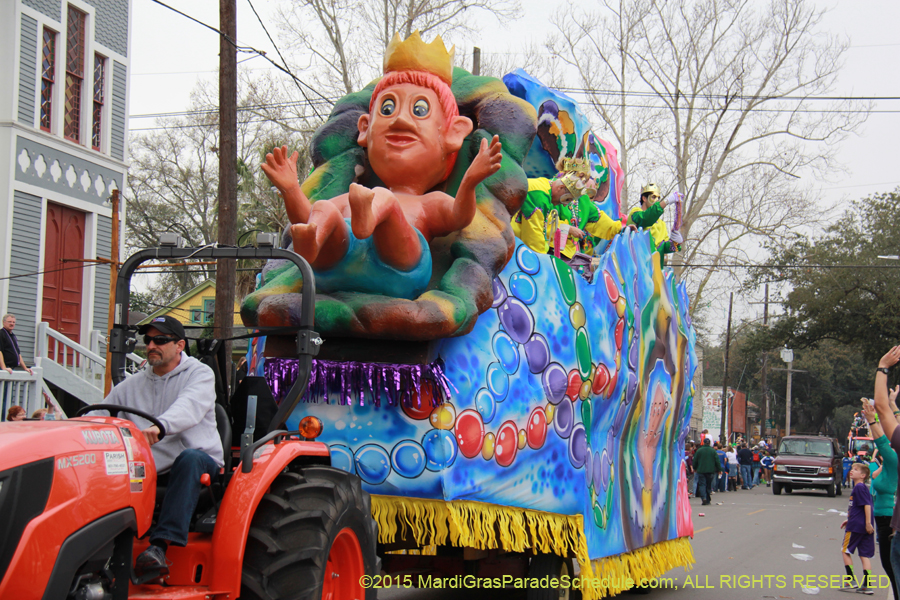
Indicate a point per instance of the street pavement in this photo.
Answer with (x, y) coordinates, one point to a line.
(753, 534)
(743, 549)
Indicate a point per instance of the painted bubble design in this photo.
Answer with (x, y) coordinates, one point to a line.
(527, 260)
(516, 319)
(577, 446)
(555, 381)
(440, 449)
(408, 459)
(537, 353)
(497, 382)
(522, 287)
(499, 291)
(506, 351)
(373, 464)
(564, 419)
(485, 405)
(342, 458)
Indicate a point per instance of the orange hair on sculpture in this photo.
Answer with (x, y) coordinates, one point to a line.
(426, 80)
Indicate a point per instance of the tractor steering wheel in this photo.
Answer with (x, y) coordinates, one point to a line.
(116, 408)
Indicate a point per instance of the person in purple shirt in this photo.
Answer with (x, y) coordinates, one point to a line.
(887, 417)
(859, 530)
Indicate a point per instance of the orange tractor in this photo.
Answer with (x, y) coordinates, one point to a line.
(77, 497)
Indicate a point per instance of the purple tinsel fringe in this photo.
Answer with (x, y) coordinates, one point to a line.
(347, 382)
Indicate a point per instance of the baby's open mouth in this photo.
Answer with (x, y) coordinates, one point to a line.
(400, 139)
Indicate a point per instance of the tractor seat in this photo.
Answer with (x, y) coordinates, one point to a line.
(217, 487)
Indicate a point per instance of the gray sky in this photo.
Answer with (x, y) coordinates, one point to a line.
(169, 54)
(166, 68)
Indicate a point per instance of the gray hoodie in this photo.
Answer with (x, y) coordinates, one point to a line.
(183, 400)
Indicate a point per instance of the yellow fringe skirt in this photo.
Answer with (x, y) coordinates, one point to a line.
(463, 523)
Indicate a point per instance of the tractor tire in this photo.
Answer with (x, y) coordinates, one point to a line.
(312, 538)
(776, 488)
(552, 566)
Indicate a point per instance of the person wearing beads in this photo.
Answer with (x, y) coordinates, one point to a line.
(647, 216)
(888, 415)
(884, 485)
(558, 216)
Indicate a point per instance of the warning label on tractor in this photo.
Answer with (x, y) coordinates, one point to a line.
(138, 471)
(116, 463)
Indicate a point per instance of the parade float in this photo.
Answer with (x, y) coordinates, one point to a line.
(496, 404)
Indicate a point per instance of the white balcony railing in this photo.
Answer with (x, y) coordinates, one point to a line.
(21, 389)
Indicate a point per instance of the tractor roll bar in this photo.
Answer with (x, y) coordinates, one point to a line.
(308, 341)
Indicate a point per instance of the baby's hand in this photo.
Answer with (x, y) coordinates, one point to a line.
(281, 170)
(487, 162)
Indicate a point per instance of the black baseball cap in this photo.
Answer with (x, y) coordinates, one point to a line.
(164, 324)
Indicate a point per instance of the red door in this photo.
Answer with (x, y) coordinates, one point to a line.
(63, 277)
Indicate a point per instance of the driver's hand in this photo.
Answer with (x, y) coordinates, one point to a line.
(151, 434)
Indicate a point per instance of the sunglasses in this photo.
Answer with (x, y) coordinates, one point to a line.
(159, 340)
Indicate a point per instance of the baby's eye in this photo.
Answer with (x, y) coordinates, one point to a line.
(421, 108)
(387, 107)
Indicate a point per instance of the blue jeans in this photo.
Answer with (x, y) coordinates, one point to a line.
(723, 480)
(745, 476)
(706, 484)
(182, 493)
(755, 475)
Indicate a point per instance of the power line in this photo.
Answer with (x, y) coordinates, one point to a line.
(274, 45)
(793, 266)
(248, 49)
(36, 273)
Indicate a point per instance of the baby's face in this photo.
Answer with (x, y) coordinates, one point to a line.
(407, 132)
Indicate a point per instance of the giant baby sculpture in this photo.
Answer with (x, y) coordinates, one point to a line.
(408, 248)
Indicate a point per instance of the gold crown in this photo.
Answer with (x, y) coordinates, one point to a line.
(412, 54)
(579, 166)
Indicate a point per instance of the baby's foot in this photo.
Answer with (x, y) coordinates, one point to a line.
(304, 236)
(362, 221)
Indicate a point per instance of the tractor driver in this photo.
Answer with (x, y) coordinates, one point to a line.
(180, 392)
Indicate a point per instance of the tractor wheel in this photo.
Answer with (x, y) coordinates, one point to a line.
(552, 566)
(312, 538)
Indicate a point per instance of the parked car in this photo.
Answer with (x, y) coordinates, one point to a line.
(808, 461)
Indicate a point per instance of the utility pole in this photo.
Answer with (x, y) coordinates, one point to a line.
(113, 275)
(787, 355)
(476, 61)
(765, 390)
(723, 433)
(227, 224)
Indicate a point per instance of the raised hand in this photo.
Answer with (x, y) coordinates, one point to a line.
(281, 169)
(675, 198)
(890, 358)
(868, 410)
(676, 237)
(892, 397)
(487, 162)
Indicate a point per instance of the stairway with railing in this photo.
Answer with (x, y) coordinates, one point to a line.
(64, 363)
